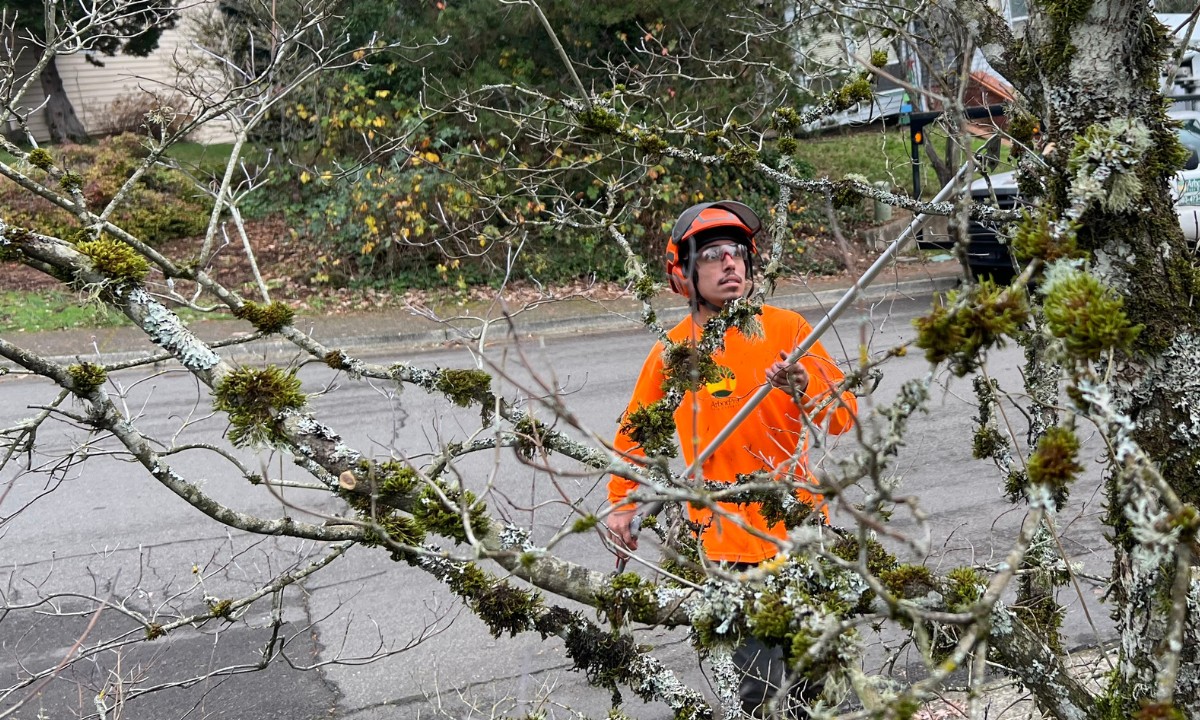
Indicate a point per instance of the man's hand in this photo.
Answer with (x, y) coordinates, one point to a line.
(791, 378)
(618, 523)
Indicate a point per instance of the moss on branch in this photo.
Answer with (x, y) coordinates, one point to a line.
(254, 398)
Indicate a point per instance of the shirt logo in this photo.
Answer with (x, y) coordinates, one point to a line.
(722, 388)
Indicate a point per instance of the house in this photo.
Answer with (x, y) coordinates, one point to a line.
(114, 97)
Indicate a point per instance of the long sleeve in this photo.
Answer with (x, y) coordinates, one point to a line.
(824, 376)
(647, 391)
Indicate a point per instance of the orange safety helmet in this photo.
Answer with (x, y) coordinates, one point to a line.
(703, 218)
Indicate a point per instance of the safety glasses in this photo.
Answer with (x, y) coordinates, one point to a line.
(744, 213)
(716, 253)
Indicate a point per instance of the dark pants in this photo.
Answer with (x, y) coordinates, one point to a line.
(764, 671)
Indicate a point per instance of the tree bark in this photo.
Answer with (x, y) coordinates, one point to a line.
(61, 119)
(1084, 73)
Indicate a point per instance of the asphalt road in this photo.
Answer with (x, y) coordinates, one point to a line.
(105, 529)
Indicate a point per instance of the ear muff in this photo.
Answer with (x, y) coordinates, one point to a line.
(676, 275)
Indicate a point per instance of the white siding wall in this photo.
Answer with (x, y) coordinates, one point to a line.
(93, 90)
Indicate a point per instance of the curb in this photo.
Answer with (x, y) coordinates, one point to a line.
(599, 321)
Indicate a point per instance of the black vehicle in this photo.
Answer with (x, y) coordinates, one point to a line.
(988, 253)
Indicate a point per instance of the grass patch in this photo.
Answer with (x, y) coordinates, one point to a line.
(878, 154)
(45, 310)
(51, 310)
(212, 158)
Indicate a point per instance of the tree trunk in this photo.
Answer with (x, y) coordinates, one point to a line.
(1089, 71)
(61, 119)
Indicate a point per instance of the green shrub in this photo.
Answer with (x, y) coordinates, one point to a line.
(379, 225)
(162, 206)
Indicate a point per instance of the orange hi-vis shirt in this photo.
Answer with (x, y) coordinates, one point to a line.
(766, 441)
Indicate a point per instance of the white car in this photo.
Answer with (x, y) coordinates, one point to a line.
(988, 254)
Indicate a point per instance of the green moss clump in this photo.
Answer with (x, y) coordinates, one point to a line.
(810, 668)
(219, 608)
(435, 516)
(392, 477)
(987, 442)
(154, 631)
(464, 387)
(1016, 486)
(40, 158)
(785, 119)
(269, 318)
(653, 428)
(879, 58)
(627, 597)
(504, 608)
(776, 500)
(71, 181)
(853, 92)
(468, 581)
(606, 658)
(788, 145)
(908, 581)
(879, 560)
(1054, 463)
(253, 398)
(1035, 238)
(554, 620)
(964, 587)
(1187, 520)
(844, 194)
(1088, 316)
(713, 139)
(651, 144)
(115, 259)
(391, 530)
(1064, 15)
(86, 377)
(960, 332)
(686, 369)
(741, 156)
(645, 288)
(530, 433)
(585, 523)
(335, 359)
(599, 120)
(769, 618)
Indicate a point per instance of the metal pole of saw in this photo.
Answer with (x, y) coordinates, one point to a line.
(827, 322)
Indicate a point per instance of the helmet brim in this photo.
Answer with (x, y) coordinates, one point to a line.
(747, 217)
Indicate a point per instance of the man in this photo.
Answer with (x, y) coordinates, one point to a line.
(710, 262)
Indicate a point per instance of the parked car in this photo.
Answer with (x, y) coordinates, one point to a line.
(988, 254)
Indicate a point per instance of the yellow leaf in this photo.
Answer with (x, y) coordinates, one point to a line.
(382, 93)
(305, 177)
(431, 157)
